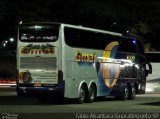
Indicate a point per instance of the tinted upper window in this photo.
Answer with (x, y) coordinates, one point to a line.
(127, 45)
(38, 33)
(140, 47)
(95, 40)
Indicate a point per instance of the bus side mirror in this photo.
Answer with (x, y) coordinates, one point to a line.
(148, 68)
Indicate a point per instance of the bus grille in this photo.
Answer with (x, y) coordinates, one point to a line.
(38, 62)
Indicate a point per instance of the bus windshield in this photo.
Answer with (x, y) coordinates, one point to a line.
(38, 33)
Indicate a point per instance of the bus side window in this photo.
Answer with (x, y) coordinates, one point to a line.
(71, 36)
(141, 51)
(140, 47)
(132, 46)
(126, 45)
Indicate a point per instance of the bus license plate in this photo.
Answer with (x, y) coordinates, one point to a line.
(37, 84)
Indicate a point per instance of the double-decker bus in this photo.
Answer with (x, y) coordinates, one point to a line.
(69, 61)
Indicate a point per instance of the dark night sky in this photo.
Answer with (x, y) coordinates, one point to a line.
(140, 17)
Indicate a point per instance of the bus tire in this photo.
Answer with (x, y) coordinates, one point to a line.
(132, 93)
(125, 94)
(19, 92)
(82, 95)
(42, 99)
(91, 94)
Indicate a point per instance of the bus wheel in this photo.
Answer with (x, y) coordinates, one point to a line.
(82, 95)
(125, 94)
(132, 93)
(42, 99)
(92, 94)
(19, 92)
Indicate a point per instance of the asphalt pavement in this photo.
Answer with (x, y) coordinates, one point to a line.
(13, 106)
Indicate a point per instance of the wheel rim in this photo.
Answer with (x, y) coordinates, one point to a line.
(92, 96)
(126, 92)
(133, 92)
(82, 95)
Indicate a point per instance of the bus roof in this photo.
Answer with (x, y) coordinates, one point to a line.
(91, 29)
(75, 26)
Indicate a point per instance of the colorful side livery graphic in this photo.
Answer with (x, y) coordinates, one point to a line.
(108, 72)
(84, 57)
(38, 49)
(131, 57)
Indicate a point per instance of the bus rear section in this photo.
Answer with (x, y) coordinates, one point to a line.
(38, 71)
